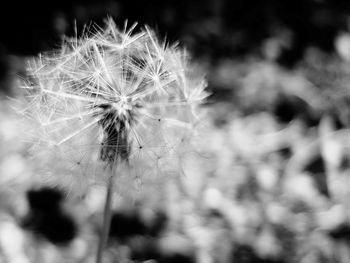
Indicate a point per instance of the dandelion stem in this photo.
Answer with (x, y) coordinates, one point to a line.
(107, 215)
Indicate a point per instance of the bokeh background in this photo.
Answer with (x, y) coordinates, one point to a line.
(271, 182)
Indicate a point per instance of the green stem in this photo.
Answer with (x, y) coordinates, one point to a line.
(107, 215)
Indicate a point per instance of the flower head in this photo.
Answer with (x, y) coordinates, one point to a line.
(111, 96)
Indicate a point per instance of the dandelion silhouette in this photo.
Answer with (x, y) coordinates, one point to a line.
(111, 98)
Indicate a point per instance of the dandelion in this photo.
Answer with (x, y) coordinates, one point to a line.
(109, 100)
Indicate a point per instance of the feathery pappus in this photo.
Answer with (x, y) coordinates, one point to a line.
(111, 96)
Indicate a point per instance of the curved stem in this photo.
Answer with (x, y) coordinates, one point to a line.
(107, 216)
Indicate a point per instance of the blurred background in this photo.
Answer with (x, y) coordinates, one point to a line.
(211, 30)
(272, 180)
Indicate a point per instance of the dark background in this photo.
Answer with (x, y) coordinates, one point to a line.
(210, 28)
(213, 30)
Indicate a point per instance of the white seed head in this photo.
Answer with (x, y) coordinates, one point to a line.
(111, 95)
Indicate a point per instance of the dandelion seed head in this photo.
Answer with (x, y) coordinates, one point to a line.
(112, 95)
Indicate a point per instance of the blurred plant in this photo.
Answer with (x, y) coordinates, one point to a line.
(108, 101)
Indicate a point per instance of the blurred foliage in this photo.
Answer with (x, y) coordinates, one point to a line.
(269, 182)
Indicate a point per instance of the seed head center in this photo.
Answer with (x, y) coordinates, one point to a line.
(123, 106)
